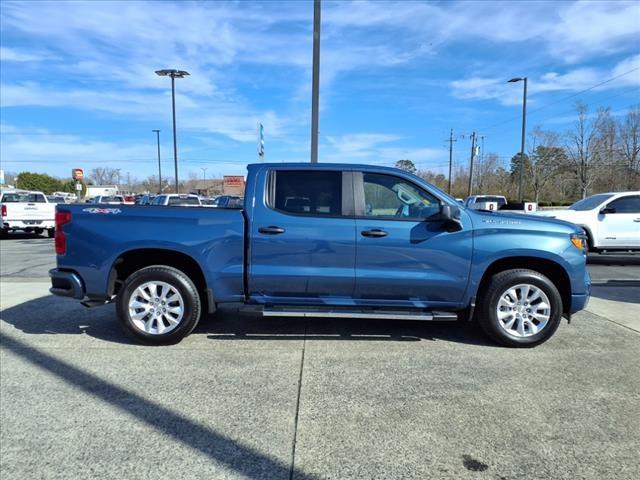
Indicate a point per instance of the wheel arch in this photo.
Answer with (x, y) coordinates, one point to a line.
(133, 260)
(550, 269)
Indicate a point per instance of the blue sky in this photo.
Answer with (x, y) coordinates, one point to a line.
(78, 87)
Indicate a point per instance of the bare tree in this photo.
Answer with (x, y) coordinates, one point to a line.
(546, 160)
(105, 176)
(629, 135)
(584, 146)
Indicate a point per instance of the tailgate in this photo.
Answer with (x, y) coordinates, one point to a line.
(30, 211)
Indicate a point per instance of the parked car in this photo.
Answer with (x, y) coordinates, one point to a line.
(109, 199)
(371, 242)
(177, 200)
(29, 211)
(55, 199)
(610, 220)
(485, 202)
(228, 201)
(145, 199)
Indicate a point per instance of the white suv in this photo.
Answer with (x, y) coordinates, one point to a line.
(611, 220)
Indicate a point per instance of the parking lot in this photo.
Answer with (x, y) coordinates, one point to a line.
(246, 397)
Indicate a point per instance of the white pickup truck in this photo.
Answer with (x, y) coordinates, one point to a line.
(28, 211)
(611, 220)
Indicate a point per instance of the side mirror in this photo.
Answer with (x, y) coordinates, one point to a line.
(449, 213)
(606, 210)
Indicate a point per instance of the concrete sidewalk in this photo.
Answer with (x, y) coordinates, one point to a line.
(617, 304)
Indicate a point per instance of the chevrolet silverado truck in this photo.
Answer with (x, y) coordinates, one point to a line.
(27, 211)
(611, 221)
(328, 240)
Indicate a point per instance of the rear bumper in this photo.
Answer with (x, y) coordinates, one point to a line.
(66, 284)
(28, 224)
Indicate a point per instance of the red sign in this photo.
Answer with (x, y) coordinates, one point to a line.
(233, 185)
(77, 173)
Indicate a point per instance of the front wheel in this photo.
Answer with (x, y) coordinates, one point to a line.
(159, 305)
(520, 308)
(51, 232)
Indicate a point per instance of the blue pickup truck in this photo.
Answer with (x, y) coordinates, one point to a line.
(324, 240)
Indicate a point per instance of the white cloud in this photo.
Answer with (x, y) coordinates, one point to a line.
(14, 55)
(624, 74)
(374, 148)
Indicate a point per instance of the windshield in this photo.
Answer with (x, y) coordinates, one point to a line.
(499, 200)
(111, 199)
(591, 202)
(184, 201)
(23, 198)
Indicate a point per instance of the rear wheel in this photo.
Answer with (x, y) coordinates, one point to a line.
(520, 308)
(51, 232)
(159, 305)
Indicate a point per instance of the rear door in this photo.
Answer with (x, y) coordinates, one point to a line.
(619, 226)
(404, 252)
(302, 237)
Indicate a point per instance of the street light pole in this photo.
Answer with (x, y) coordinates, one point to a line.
(173, 73)
(315, 81)
(522, 140)
(204, 173)
(159, 165)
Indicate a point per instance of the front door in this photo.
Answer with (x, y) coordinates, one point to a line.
(404, 252)
(302, 243)
(619, 222)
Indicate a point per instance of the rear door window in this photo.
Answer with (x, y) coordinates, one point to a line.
(315, 193)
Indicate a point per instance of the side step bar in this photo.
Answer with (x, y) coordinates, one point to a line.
(364, 314)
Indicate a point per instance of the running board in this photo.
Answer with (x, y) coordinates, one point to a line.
(359, 314)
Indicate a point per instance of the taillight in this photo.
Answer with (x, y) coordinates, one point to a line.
(3, 211)
(62, 218)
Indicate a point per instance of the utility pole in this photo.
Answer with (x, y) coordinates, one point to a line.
(451, 140)
(473, 152)
(204, 173)
(129, 182)
(315, 86)
(159, 165)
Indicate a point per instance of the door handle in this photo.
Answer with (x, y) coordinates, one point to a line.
(375, 233)
(271, 230)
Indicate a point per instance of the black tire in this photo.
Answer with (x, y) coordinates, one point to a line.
(499, 283)
(38, 231)
(176, 279)
(4, 233)
(51, 232)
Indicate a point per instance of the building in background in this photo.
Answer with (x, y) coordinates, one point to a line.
(97, 190)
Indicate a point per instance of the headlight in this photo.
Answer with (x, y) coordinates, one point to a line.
(579, 241)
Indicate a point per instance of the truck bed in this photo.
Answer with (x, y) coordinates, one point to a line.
(98, 235)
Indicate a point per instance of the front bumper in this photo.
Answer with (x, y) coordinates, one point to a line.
(579, 301)
(65, 283)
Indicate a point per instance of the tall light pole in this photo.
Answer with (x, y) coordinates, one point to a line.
(173, 73)
(524, 129)
(159, 165)
(315, 81)
(204, 173)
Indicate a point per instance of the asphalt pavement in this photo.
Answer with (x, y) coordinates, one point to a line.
(247, 397)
